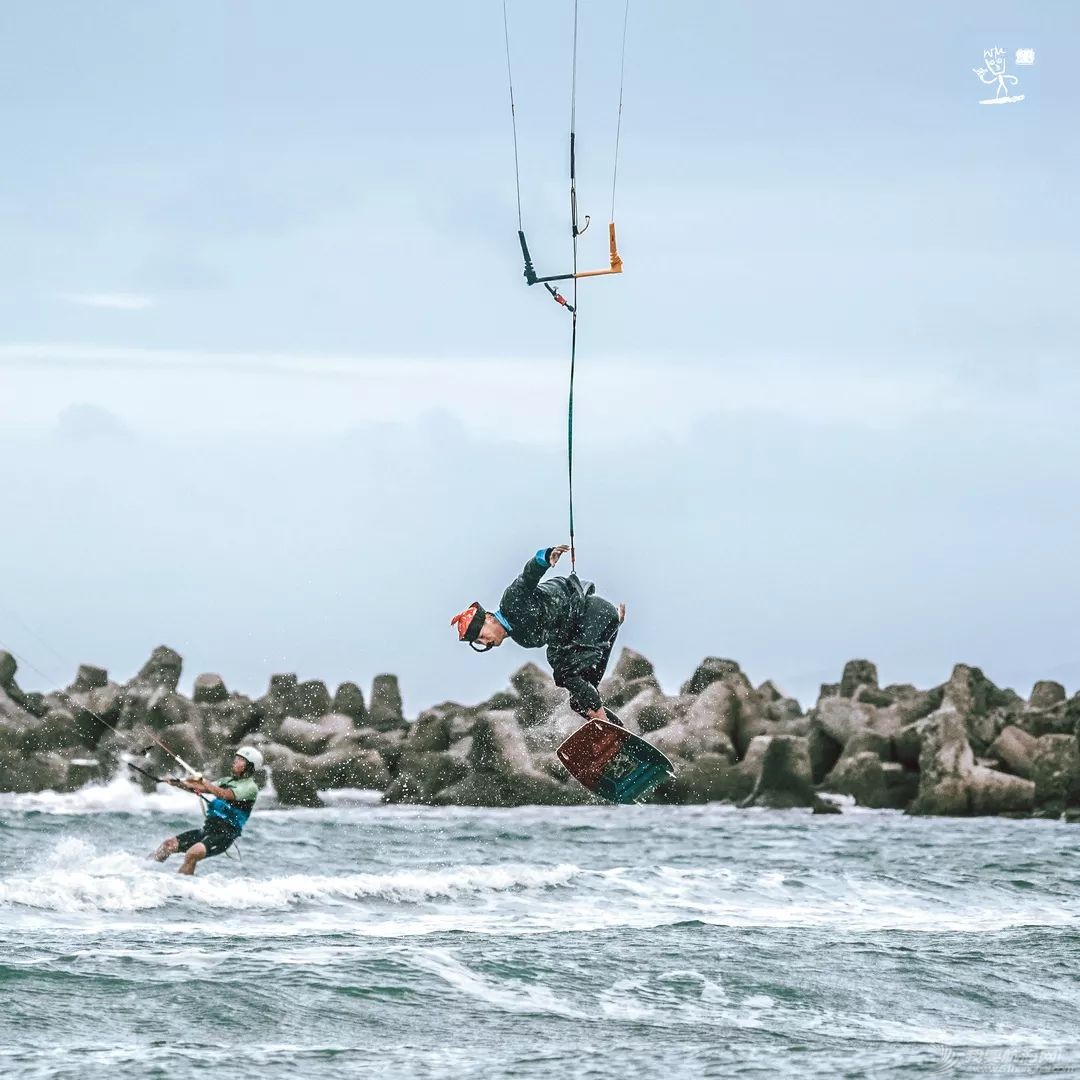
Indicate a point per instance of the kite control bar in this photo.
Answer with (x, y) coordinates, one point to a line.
(616, 261)
(531, 277)
(171, 780)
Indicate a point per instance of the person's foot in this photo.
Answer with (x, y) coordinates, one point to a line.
(164, 850)
(622, 614)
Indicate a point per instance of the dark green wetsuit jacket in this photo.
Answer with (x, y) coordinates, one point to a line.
(564, 615)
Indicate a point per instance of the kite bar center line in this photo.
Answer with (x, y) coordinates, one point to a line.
(574, 313)
(615, 264)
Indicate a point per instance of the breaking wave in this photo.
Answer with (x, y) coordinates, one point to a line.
(118, 795)
(75, 879)
(516, 897)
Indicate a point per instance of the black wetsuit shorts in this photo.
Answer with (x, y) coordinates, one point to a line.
(215, 834)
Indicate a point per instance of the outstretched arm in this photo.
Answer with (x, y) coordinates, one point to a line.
(539, 564)
(204, 787)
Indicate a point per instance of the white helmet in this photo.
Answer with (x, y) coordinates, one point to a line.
(249, 753)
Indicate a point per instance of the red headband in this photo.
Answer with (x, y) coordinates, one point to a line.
(469, 622)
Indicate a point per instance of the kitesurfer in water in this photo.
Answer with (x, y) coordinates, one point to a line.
(231, 802)
(563, 613)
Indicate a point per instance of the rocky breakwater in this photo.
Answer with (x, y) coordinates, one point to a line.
(965, 747)
(311, 740)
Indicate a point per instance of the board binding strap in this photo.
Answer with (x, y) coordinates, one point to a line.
(614, 763)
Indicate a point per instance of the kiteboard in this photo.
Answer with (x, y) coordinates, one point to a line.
(613, 763)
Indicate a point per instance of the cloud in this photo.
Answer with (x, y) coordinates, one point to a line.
(788, 546)
(297, 391)
(81, 422)
(112, 301)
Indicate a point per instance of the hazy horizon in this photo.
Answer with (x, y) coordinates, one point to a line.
(272, 391)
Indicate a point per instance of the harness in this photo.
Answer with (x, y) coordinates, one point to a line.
(235, 814)
(580, 591)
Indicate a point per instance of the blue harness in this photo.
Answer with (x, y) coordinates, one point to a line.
(229, 812)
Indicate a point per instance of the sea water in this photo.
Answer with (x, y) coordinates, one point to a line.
(363, 940)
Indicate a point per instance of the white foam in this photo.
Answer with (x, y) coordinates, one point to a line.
(510, 898)
(510, 995)
(351, 797)
(74, 878)
(118, 795)
(123, 794)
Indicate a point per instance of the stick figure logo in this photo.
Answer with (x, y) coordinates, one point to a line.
(994, 74)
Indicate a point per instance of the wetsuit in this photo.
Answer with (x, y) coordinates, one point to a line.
(564, 614)
(224, 820)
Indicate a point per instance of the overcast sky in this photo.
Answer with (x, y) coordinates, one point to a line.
(272, 390)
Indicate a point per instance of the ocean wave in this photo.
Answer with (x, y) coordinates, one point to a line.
(121, 794)
(76, 879)
(521, 898)
(508, 995)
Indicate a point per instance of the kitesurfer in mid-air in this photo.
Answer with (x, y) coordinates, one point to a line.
(563, 613)
(231, 802)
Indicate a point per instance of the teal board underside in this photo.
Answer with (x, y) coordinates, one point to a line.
(626, 782)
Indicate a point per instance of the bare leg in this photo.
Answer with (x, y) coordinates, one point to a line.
(165, 849)
(195, 854)
(622, 614)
